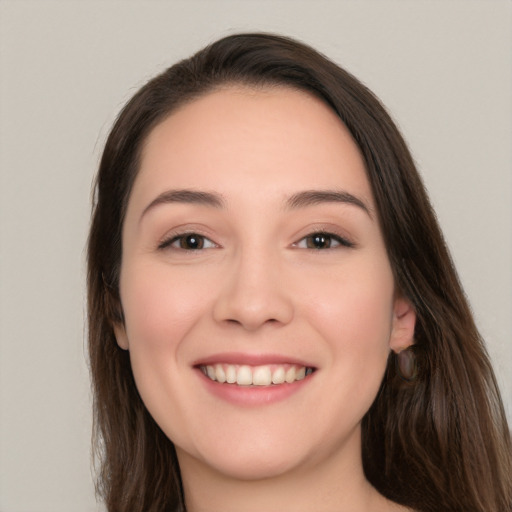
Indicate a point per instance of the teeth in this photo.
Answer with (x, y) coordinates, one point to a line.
(210, 371)
(278, 376)
(265, 375)
(290, 375)
(220, 374)
(230, 374)
(262, 376)
(244, 376)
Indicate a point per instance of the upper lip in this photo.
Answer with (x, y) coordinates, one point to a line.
(240, 358)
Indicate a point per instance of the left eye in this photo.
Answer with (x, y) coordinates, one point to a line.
(322, 240)
(188, 242)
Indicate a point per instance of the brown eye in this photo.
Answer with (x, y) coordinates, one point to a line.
(318, 241)
(191, 242)
(187, 242)
(321, 241)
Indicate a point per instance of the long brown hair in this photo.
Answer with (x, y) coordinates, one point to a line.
(440, 442)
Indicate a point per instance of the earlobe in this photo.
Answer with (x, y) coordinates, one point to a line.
(120, 334)
(404, 321)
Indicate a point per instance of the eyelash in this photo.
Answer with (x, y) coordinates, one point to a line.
(324, 237)
(320, 237)
(181, 238)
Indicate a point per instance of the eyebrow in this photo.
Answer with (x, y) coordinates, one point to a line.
(299, 200)
(314, 197)
(187, 196)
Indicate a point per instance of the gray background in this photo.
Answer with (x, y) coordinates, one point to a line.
(441, 67)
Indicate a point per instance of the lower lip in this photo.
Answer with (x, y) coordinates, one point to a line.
(251, 396)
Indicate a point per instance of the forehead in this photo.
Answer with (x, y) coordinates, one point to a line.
(240, 138)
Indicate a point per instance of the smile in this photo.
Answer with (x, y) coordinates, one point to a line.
(264, 375)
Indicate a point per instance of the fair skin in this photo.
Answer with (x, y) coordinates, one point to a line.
(252, 250)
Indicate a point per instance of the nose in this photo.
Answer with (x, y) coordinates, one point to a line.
(253, 292)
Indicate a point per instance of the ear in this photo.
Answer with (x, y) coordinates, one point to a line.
(404, 321)
(120, 334)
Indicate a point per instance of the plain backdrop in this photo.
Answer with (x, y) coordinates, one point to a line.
(443, 68)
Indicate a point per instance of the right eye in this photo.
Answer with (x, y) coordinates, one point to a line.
(188, 242)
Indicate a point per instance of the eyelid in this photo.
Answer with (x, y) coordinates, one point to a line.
(342, 240)
(173, 237)
(340, 237)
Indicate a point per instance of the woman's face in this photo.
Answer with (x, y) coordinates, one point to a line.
(252, 253)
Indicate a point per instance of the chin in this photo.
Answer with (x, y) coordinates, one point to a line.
(246, 460)
(253, 467)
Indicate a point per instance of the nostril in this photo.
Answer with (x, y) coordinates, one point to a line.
(252, 307)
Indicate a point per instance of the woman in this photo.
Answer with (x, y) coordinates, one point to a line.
(274, 320)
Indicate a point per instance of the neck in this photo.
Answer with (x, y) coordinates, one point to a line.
(336, 484)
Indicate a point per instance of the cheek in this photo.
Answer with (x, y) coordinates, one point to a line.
(160, 310)
(159, 307)
(353, 312)
(354, 301)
